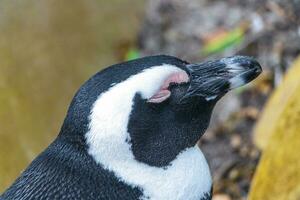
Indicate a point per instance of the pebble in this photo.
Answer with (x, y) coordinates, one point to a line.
(236, 141)
(221, 197)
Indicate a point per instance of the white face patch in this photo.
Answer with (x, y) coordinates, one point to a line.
(188, 176)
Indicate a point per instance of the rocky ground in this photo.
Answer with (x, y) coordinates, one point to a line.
(198, 30)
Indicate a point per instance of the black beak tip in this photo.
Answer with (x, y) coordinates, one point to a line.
(258, 68)
(255, 66)
(245, 63)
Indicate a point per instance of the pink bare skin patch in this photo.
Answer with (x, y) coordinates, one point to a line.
(164, 93)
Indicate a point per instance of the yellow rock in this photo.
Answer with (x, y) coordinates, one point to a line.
(47, 49)
(276, 105)
(278, 132)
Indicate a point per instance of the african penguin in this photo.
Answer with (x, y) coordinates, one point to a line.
(131, 133)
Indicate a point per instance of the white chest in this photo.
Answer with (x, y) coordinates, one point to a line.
(187, 178)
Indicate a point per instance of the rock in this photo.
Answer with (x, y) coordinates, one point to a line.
(277, 176)
(276, 106)
(236, 141)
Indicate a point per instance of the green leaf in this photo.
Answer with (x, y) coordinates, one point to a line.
(132, 54)
(219, 44)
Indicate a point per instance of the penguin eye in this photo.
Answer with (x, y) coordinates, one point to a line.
(172, 85)
(164, 92)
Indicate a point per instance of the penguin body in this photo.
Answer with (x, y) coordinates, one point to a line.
(63, 171)
(131, 132)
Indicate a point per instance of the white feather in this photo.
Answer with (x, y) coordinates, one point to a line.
(236, 82)
(188, 176)
(234, 68)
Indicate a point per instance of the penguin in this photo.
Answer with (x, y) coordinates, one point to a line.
(131, 132)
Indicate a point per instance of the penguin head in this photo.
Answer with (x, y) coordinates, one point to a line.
(151, 109)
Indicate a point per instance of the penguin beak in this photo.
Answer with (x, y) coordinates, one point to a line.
(213, 79)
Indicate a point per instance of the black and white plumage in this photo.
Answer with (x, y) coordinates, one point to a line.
(131, 133)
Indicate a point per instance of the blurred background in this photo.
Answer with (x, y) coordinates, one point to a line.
(49, 48)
